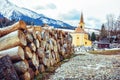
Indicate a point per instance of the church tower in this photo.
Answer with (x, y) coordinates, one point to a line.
(81, 23)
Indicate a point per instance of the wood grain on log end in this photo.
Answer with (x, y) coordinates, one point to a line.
(28, 53)
(21, 53)
(21, 66)
(22, 38)
(25, 76)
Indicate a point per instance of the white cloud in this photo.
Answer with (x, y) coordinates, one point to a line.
(61, 9)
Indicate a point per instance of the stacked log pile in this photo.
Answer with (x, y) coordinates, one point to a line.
(32, 49)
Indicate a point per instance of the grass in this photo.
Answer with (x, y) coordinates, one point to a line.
(105, 52)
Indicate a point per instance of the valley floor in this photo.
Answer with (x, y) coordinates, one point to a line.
(87, 66)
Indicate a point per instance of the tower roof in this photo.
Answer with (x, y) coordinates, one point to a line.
(81, 19)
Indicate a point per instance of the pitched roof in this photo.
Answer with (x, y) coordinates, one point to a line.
(79, 30)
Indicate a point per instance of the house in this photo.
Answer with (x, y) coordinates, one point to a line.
(79, 36)
(101, 44)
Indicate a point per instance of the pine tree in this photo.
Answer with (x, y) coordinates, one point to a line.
(89, 37)
(93, 36)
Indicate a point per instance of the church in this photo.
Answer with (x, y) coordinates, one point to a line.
(79, 36)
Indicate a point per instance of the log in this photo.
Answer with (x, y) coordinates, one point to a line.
(43, 35)
(41, 68)
(48, 54)
(41, 60)
(63, 51)
(28, 53)
(25, 76)
(32, 73)
(16, 53)
(40, 52)
(31, 64)
(38, 28)
(38, 34)
(36, 72)
(32, 31)
(52, 62)
(57, 57)
(36, 42)
(34, 62)
(46, 62)
(32, 46)
(21, 66)
(16, 38)
(47, 46)
(43, 44)
(29, 37)
(14, 27)
(55, 48)
(7, 71)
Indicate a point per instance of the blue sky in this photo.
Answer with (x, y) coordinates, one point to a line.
(94, 11)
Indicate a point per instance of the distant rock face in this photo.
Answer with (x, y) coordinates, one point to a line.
(13, 12)
(4, 21)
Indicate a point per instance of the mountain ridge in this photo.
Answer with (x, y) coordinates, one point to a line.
(13, 12)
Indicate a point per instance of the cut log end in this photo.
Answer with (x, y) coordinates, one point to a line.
(28, 53)
(22, 38)
(22, 24)
(21, 53)
(25, 76)
(21, 66)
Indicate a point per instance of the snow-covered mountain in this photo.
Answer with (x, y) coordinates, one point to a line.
(88, 30)
(1, 16)
(13, 12)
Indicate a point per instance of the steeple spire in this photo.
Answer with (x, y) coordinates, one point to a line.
(81, 19)
(81, 23)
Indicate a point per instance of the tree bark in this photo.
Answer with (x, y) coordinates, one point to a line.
(16, 38)
(16, 53)
(7, 71)
(14, 27)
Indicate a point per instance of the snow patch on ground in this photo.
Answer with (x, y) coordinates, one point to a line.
(89, 67)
